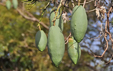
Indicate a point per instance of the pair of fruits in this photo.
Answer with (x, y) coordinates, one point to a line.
(78, 30)
(56, 43)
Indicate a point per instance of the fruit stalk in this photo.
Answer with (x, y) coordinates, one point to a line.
(79, 2)
(39, 27)
(57, 11)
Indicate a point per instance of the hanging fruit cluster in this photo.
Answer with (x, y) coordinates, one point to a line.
(56, 43)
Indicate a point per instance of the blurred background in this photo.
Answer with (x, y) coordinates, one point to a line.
(17, 38)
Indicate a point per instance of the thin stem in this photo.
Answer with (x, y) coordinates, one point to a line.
(84, 3)
(57, 12)
(43, 14)
(39, 27)
(73, 3)
(79, 2)
(66, 41)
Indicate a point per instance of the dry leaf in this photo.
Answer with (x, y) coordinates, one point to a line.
(101, 11)
(64, 17)
(97, 12)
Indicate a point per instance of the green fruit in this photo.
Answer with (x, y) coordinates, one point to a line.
(15, 3)
(56, 45)
(74, 50)
(8, 4)
(59, 21)
(78, 23)
(40, 40)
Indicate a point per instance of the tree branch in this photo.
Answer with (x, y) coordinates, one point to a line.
(32, 18)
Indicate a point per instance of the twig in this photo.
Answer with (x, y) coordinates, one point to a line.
(79, 2)
(92, 53)
(107, 31)
(32, 19)
(88, 65)
(110, 38)
(66, 40)
(46, 6)
(105, 37)
(87, 2)
(42, 13)
(95, 4)
(84, 3)
(90, 10)
(73, 3)
(110, 59)
(97, 36)
(108, 19)
(57, 12)
(108, 26)
(39, 27)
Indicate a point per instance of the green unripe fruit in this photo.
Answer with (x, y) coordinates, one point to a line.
(74, 50)
(59, 21)
(78, 23)
(40, 40)
(15, 3)
(8, 4)
(56, 45)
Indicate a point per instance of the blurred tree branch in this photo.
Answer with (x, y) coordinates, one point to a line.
(32, 18)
